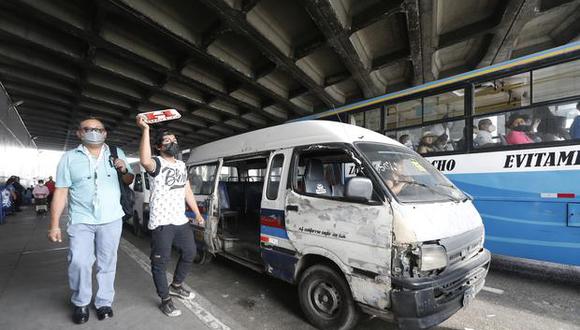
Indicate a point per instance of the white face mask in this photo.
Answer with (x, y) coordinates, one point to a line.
(492, 128)
(93, 137)
(408, 144)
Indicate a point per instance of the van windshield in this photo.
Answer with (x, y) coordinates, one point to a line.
(409, 176)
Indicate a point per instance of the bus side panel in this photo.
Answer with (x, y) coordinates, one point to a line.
(523, 215)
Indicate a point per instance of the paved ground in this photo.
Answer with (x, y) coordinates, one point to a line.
(34, 293)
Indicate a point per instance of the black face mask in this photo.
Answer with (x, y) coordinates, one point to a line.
(523, 128)
(171, 149)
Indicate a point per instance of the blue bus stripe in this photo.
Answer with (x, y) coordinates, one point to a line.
(272, 231)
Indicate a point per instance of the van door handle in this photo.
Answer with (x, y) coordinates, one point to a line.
(292, 208)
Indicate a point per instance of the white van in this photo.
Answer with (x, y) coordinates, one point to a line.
(309, 203)
(140, 186)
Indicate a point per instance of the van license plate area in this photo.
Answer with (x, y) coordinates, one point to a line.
(468, 296)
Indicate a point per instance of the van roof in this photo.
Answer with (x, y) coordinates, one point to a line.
(285, 136)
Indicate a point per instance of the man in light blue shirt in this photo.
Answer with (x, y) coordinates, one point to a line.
(87, 177)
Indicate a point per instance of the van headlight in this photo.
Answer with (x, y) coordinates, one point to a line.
(432, 257)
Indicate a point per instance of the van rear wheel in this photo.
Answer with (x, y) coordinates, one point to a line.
(326, 299)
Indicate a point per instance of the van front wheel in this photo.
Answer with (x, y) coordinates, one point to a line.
(326, 299)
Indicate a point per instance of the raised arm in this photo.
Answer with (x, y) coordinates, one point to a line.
(144, 147)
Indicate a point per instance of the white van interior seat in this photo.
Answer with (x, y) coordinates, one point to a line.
(314, 179)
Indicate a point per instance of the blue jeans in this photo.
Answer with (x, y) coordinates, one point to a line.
(87, 243)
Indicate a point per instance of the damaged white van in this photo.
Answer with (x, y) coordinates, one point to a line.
(358, 221)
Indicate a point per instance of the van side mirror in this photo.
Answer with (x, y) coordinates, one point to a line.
(359, 189)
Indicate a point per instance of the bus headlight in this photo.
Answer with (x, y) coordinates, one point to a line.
(432, 257)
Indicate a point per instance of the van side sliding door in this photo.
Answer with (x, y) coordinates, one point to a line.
(278, 253)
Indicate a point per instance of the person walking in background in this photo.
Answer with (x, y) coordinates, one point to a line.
(40, 190)
(169, 189)
(50, 185)
(19, 189)
(87, 177)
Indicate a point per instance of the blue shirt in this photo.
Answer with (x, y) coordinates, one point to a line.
(94, 194)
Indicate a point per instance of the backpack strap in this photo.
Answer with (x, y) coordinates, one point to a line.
(114, 153)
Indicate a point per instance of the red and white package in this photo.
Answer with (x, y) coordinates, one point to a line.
(158, 116)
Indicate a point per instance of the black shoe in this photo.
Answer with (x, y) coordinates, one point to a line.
(180, 292)
(168, 308)
(80, 314)
(104, 312)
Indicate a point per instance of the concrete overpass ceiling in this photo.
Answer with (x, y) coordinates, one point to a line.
(230, 66)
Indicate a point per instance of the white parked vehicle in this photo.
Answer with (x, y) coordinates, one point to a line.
(140, 186)
(358, 221)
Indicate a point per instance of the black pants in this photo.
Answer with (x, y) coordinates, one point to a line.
(163, 237)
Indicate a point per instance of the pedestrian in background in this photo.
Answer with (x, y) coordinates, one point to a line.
(50, 185)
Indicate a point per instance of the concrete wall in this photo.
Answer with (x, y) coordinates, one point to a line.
(16, 147)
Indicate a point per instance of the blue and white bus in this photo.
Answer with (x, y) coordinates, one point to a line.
(508, 135)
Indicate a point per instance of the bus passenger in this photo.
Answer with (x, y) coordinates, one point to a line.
(554, 129)
(426, 143)
(519, 130)
(442, 144)
(575, 128)
(405, 139)
(483, 137)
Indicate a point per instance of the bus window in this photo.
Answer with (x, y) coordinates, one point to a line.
(373, 119)
(556, 82)
(486, 133)
(357, 119)
(502, 94)
(403, 114)
(550, 123)
(444, 137)
(409, 137)
(445, 105)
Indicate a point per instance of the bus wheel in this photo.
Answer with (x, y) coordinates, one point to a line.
(326, 299)
(202, 257)
(136, 224)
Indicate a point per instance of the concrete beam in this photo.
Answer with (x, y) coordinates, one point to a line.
(325, 18)
(414, 35)
(375, 13)
(428, 39)
(474, 30)
(513, 20)
(390, 59)
(306, 48)
(147, 15)
(237, 19)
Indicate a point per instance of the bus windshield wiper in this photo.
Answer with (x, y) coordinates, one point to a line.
(452, 198)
